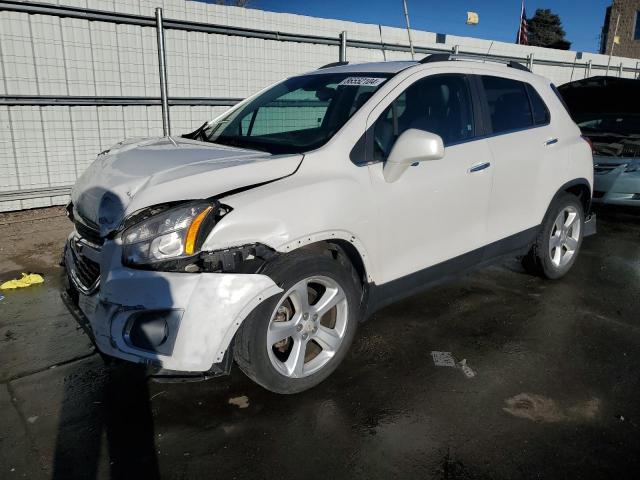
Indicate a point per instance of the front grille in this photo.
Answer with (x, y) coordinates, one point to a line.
(85, 271)
(631, 150)
(88, 233)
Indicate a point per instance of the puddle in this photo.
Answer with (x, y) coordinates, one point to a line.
(539, 408)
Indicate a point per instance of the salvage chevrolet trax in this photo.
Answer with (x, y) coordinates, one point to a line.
(267, 234)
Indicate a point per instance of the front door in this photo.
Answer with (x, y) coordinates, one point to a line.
(437, 210)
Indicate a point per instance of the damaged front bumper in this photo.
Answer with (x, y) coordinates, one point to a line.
(179, 324)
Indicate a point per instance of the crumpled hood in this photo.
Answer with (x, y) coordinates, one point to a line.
(138, 173)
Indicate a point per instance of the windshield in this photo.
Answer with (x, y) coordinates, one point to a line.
(297, 115)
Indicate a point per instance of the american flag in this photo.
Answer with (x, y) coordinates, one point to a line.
(523, 30)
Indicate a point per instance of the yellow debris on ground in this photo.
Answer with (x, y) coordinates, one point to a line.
(27, 280)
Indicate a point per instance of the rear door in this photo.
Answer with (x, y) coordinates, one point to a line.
(519, 136)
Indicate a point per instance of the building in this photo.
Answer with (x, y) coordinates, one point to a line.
(628, 33)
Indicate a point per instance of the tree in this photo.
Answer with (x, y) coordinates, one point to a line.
(545, 30)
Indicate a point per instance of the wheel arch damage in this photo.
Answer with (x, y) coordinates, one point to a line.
(252, 259)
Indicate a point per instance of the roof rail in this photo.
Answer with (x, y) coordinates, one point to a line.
(437, 57)
(518, 66)
(445, 57)
(334, 64)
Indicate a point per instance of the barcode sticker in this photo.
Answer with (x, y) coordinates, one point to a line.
(362, 81)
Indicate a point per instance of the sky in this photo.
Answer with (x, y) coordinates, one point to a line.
(582, 19)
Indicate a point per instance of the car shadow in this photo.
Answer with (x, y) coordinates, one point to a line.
(617, 213)
(105, 425)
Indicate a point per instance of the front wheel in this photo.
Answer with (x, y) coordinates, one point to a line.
(557, 245)
(295, 340)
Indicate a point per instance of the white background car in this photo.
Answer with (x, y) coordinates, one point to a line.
(270, 232)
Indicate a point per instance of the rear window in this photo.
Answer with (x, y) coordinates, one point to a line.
(540, 111)
(508, 104)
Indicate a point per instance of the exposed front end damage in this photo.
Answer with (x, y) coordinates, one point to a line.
(139, 278)
(180, 324)
(617, 181)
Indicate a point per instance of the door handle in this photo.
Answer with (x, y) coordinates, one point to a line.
(478, 167)
(551, 141)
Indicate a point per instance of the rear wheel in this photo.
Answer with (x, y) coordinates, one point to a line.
(295, 340)
(558, 243)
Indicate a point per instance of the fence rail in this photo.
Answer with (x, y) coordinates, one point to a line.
(77, 101)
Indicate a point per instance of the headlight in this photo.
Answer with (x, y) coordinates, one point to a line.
(169, 235)
(633, 166)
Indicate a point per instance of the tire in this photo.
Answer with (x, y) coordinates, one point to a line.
(274, 365)
(555, 250)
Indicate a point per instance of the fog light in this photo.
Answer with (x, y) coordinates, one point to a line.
(153, 330)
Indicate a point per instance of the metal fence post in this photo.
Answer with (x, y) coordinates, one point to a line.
(343, 47)
(530, 61)
(588, 70)
(162, 65)
(406, 18)
(455, 50)
(620, 71)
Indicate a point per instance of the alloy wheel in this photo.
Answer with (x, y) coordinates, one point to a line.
(565, 236)
(307, 326)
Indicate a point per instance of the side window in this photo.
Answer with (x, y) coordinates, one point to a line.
(540, 111)
(439, 104)
(508, 104)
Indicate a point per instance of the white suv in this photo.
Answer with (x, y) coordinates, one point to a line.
(266, 235)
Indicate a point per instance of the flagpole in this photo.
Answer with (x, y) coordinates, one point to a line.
(520, 22)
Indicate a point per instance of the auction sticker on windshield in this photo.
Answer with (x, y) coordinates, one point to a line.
(362, 81)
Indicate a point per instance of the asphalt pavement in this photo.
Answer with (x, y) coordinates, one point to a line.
(552, 388)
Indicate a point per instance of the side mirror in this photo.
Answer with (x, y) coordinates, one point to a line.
(412, 146)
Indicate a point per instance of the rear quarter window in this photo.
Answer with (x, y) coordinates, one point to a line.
(541, 114)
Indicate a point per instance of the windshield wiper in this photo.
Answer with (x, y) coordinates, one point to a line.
(238, 143)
